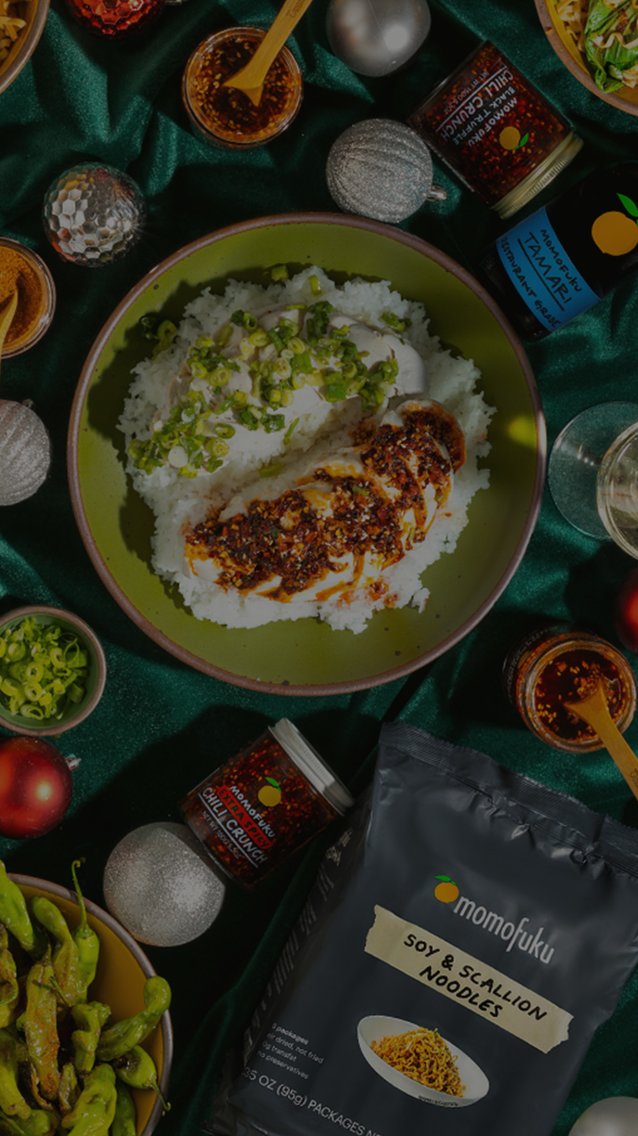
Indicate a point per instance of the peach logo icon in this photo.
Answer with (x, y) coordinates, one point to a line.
(614, 232)
(446, 891)
(270, 794)
(511, 138)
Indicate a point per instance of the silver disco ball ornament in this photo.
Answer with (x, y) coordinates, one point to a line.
(159, 885)
(93, 214)
(381, 169)
(375, 37)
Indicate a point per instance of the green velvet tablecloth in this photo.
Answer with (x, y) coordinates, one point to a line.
(161, 727)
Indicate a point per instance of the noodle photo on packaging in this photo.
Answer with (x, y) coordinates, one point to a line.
(423, 1055)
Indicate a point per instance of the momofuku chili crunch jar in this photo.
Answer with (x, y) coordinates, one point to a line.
(496, 131)
(264, 803)
(553, 666)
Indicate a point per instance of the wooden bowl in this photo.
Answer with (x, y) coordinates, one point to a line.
(625, 99)
(35, 12)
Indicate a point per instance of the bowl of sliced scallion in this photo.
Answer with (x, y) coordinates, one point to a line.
(52, 670)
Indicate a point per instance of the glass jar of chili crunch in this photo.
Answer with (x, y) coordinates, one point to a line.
(496, 131)
(264, 803)
(553, 666)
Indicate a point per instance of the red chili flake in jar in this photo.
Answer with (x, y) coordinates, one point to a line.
(264, 803)
(551, 668)
(496, 131)
(227, 115)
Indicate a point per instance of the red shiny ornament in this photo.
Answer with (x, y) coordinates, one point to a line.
(115, 18)
(35, 787)
(626, 613)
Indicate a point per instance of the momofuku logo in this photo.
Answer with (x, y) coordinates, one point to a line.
(519, 935)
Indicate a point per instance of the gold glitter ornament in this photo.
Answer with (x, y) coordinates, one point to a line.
(381, 169)
(25, 452)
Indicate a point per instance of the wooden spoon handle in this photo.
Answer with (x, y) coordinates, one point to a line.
(6, 317)
(285, 21)
(595, 712)
(621, 753)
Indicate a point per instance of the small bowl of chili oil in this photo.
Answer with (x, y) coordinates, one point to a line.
(552, 668)
(226, 116)
(52, 670)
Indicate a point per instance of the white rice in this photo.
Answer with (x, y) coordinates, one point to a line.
(323, 427)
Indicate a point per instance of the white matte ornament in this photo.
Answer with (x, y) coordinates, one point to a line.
(159, 885)
(375, 37)
(614, 1116)
(25, 452)
(381, 169)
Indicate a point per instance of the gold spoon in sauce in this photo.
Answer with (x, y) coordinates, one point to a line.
(6, 317)
(595, 711)
(250, 79)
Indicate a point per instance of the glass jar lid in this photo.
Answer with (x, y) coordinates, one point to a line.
(312, 765)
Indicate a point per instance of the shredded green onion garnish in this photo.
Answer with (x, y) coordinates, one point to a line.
(303, 348)
(43, 669)
(395, 322)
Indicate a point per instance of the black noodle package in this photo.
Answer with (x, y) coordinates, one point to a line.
(463, 942)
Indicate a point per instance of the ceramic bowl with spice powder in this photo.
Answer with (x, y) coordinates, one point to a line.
(226, 116)
(553, 667)
(25, 271)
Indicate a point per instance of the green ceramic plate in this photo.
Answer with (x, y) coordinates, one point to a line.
(307, 656)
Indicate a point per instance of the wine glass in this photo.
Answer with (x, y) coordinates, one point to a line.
(593, 473)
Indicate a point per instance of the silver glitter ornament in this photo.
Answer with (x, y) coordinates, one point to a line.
(93, 214)
(159, 885)
(25, 452)
(382, 169)
(375, 37)
(614, 1116)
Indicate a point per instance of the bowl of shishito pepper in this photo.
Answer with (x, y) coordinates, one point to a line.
(85, 1036)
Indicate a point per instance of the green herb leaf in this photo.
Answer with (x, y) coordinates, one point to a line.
(628, 204)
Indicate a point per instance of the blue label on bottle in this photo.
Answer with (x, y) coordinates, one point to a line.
(542, 272)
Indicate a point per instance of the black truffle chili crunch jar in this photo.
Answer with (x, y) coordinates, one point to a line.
(496, 131)
(264, 803)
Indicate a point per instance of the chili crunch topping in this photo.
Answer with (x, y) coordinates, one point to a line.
(571, 677)
(346, 521)
(228, 112)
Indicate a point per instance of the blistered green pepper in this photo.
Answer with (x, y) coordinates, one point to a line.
(125, 1120)
(12, 1102)
(93, 1111)
(38, 1124)
(89, 1017)
(86, 939)
(119, 1038)
(40, 1026)
(66, 959)
(9, 989)
(69, 1090)
(137, 1070)
(14, 914)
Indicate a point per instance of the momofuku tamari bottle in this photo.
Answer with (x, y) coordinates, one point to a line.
(563, 258)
